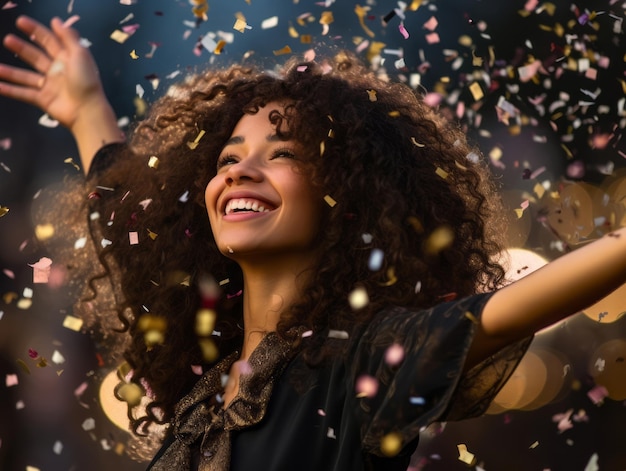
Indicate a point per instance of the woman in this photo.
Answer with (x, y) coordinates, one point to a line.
(353, 236)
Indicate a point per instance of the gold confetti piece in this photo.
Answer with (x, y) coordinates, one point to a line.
(534, 445)
(240, 25)
(567, 151)
(152, 235)
(140, 106)
(133, 55)
(464, 455)
(209, 349)
(442, 173)
(119, 36)
(70, 161)
(322, 148)
(72, 323)
(441, 238)
(284, 50)
(358, 298)
(3, 211)
(22, 364)
(495, 154)
(330, 201)
(394, 114)
(205, 322)
(471, 317)
(200, 11)
(130, 393)
(194, 144)
(415, 224)
(220, 45)
(477, 91)
(119, 448)
(153, 162)
(361, 12)
(9, 297)
(327, 18)
(372, 95)
(391, 277)
(539, 190)
(306, 39)
(391, 444)
(293, 32)
(44, 231)
(415, 4)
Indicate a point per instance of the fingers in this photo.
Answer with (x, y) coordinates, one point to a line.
(68, 37)
(30, 54)
(21, 77)
(39, 34)
(18, 92)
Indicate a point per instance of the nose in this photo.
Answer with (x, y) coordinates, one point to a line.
(244, 170)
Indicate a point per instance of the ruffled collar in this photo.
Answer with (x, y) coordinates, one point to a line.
(202, 427)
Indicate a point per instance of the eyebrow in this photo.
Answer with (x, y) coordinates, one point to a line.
(240, 139)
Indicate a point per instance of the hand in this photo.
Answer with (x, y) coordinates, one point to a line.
(64, 82)
(65, 77)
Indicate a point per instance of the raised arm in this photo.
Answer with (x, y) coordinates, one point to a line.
(561, 288)
(64, 82)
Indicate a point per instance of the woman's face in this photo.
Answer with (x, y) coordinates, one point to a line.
(260, 203)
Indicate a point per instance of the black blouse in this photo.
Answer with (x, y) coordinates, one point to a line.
(329, 426)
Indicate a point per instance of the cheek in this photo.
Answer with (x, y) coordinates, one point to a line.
(211, 194)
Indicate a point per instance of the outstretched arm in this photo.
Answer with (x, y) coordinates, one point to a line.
(64, 82)
(561, 288)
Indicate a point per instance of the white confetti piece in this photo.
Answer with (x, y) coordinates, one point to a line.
(89, 424)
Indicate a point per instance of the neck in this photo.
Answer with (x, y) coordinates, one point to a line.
(269, 290)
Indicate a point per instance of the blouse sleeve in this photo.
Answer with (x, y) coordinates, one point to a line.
(417, 359)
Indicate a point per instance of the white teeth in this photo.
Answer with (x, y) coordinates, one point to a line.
(245, 205)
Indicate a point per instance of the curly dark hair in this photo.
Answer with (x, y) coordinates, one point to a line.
(404, 179)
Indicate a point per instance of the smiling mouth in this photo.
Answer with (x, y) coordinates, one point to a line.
(245, 205)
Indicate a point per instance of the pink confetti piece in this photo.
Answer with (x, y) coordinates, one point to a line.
(366, 386)
(130, 29)
(431, 24)
(9, 5)
(394, 354)
(432, 38)
(597, 394)
(403, 31)
(11, 380)
(41, 270)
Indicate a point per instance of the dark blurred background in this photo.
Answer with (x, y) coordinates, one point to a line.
(553, 139)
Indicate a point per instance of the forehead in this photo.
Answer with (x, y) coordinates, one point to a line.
(264, 120)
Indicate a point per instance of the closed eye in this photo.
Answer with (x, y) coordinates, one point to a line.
(283, 152)
(224, 160)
